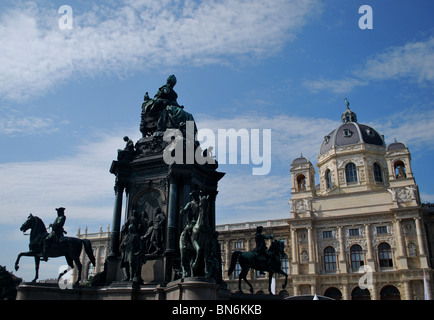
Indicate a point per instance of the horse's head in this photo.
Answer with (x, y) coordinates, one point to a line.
(277, 247)
(204, 203)
(28, 224)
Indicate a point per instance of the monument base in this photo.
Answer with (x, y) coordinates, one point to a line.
(116, 291)
(194, 288)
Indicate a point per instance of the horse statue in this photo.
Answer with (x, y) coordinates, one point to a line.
(70, 247)
(195, 239)
(201, 237)
(250, 259)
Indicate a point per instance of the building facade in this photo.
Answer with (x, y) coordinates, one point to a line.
(362, 233)
(100, 246)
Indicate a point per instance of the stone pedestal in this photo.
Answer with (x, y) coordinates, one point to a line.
(150, 184)
(194, 288)
(153, 271)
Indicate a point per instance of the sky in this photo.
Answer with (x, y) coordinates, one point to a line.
(72, 84)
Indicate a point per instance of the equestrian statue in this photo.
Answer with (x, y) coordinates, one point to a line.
(44, 245)
(260, 259)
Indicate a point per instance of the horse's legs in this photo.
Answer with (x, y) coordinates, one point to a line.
(25, 254)
(196, 247)
(243, 275)
(18, 260)
(79, 268)
(37, 260)
(270, 279)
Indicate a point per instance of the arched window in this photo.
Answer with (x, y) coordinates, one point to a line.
(301, 182)
(351, 172)
(378, 176)
(329, 182)
(357, 259)
(390, 293)
(329, 259)
(360, 294)
(399, 167)
(333, 293)
(385, 255)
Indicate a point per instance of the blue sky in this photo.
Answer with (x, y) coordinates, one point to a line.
(67, 97)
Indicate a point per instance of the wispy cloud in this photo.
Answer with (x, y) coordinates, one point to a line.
(29, 125)
(81, 183)
(290, 135)
(36, 55)
(412, 126)
(414, 62)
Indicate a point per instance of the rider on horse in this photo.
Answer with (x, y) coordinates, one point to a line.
(57, 232)
(261, 249)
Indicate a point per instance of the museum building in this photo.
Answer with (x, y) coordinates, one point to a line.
(364, 223)
(361, 233)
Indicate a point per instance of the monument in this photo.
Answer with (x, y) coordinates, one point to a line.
(167, 247)
(167, 238)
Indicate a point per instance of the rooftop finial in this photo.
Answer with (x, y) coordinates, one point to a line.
(348, 115)
(347, 103)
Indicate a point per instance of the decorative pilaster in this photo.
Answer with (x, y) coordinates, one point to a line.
(172, 213)
(116, 222)
(370, 255)
(294, 251)
(400, 242)
(311, 250)
(420, 242)
(342, 255)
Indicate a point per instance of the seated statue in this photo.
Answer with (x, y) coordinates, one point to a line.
(128, 151)
(163, 111)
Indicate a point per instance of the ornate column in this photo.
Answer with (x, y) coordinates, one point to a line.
(212, 200)
(311, 250)
(407, 290)
(345, 292)
(116, 222)
(419, 236)
(294, 251)
(400, 241)
(172, 214)
(296, 290)
(369, 253)
(420, 242)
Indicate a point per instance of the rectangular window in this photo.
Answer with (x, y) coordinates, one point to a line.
(237, 271)
(382, 229)
(354, 232)
(238, 244)
(327, 234)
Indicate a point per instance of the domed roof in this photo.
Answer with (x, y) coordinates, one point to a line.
(396, 146)
(350, 132)
(299, 160)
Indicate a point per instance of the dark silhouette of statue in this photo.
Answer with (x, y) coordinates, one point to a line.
(155, 232)
(260, 259)
(56, 237)
(132, 249)
(128, 152)
(191, 212)
(261, 248)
